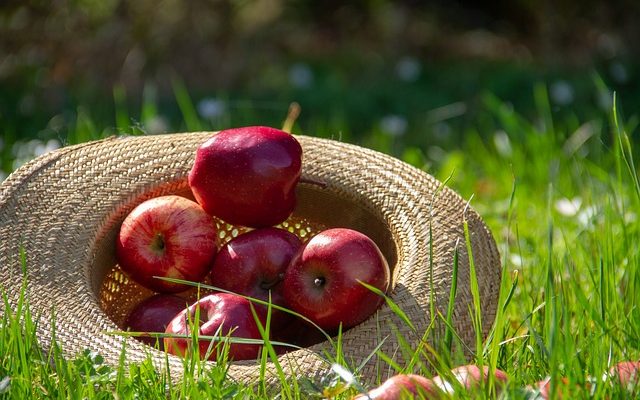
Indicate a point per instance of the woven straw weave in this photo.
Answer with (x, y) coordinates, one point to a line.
(64, 210)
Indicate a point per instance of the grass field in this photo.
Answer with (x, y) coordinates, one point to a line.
(560, 192)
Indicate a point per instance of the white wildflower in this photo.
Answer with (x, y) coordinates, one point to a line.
(156, 125)
(210, 108)
(619, 72)
(562, 93)
(586, 215)
(516, 260)
(503, 143)
(408, 69)
(394, 125)
(568, 207)
(300, 75)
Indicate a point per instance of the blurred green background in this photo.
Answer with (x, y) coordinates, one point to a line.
(410, 78)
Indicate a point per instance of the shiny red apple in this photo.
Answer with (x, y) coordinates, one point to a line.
(254, 263)
(167, 236)
(403, 386)
(224, 314)
(323, 280)
(152, 315)
(247, 176)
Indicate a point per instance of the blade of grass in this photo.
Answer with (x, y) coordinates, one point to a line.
(448, 335)
(392, 305)
(149, 109)
(251, 299)
(123, 122)
(543, 107)
(497, 333)
(550, 316)
(270, 350)
(186, 106)
(626, 151)
(432, 301)
(474, 286)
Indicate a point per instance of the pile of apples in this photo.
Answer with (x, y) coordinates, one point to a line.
(244, 177)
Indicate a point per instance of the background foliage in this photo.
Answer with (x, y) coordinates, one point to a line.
(419, 72)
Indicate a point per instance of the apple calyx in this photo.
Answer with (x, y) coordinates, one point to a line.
(166, 236)
(324, 280)
(158, 242)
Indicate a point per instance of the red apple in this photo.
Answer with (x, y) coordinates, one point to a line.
(323, 280)
(167, 236)
(469, 376)
(627, 373)
(253, 264)
(563, 387)
(247, 176)
(403, 386)
(228, 315)
(152, 315)
(541, 388)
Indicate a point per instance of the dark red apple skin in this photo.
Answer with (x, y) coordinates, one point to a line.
(403, 386)
(223, 311)
(152, 315)
(254, 263)
(247, 176)
(167, 236)
(298, 332)
(322, 282)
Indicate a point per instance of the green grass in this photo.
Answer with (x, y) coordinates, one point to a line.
(561, 195)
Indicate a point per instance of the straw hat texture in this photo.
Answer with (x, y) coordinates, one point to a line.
(63, 211)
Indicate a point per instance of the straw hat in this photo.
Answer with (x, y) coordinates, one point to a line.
(65, 207)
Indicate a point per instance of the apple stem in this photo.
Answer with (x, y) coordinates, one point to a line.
(314, 182)
(319, 282)
(292, 116)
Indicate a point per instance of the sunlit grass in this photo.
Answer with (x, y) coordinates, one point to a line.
(561, 197)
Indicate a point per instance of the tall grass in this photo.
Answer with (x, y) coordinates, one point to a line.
(562, 199)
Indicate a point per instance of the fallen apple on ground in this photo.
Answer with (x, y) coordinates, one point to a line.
(152, 315)
(226, 314)
(627, 374)
(542, 388)
(403, 386)
(470, 377)
(247, 176)
(166, 236)
(323, 281)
